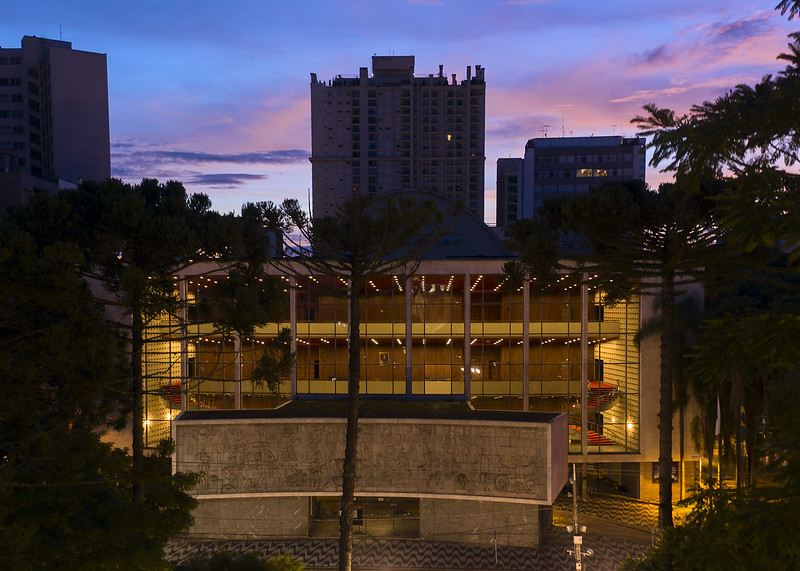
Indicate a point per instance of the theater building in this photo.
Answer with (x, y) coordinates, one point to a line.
(476, 394)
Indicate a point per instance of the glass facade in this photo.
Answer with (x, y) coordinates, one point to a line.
(438, 334)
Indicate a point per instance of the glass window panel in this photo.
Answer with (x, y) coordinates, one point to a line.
(437, 351)
(496, 355)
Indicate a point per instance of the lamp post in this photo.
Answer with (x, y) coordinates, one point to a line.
(576, 529)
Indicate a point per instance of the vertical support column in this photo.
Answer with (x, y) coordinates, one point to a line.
(526, 343)
(408, 336)
(184, 333)
(293, 328)
(237, 370)
(584, 365)
(467, 337)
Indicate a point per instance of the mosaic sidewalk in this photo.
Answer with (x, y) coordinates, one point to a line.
(368, 554)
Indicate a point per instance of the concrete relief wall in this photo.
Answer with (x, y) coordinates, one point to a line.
(249, 518)
(480, 522)
(304, 457)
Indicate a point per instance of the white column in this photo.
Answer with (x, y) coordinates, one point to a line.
(584, 366)
(237, 370)
(184, 332)
(467, 337)
(408, 337)
(526, 343)
(293, 328)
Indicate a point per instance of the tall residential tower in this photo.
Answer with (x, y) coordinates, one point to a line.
(53, 118)
(392, 130)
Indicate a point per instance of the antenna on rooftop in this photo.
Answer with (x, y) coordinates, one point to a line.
(563, 134)
(543, 129)
(60, 34)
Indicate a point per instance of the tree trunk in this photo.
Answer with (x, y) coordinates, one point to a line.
(737, 398)
(351, 437)
(682, 451)
(666, 403)
(710, 438)
(137, 408)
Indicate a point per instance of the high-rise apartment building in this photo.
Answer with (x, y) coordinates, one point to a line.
(54, 126)
(393, 130)
(561, 166)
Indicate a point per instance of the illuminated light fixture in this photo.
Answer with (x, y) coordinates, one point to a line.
(498, 342)
(473, 341)
(373, 340)
(399, 342)
(613, 419)
(433, 288)
(450, 283)
(449, 137)
(475, 283)
(449, 341)
(630, 426)
(397, 282)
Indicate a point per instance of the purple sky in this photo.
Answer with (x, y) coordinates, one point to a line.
(216, 94)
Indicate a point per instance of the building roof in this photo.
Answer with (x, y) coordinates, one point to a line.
(373, 409)
(469, 236)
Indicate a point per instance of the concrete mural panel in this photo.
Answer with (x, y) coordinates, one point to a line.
(466, 459)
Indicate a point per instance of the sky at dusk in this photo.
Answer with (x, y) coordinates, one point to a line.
(216, 94)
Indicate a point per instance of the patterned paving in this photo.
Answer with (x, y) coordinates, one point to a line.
(626, 511)
(610, 543)
(321, 554)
